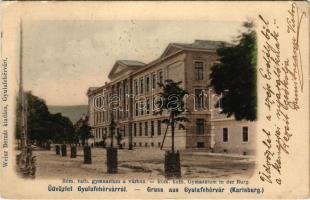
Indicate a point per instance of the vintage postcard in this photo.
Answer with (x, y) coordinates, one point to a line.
(155, 100)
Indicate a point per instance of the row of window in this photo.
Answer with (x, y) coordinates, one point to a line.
(158, 144)
(146, 144)
(245, 134)
(99, 101)
(148, 82)
(139, 127)
(99, 132)
(142, 128)
(200, 96)
(101, 116)
(152, 144)
(144, 107)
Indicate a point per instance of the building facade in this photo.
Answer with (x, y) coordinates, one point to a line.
(131, 94)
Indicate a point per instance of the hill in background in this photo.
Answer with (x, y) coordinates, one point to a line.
(72, 112)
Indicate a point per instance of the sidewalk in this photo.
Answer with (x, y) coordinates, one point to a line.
(140, 163)
(251, 157)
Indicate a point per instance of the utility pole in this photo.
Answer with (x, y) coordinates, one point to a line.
(21, 94)
(25, 160)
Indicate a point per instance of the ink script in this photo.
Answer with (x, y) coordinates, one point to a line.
(283, 84)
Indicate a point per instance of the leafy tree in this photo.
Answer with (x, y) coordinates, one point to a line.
(234, 77)
(85, 133)
(38, 119)
(103, 141)
(41, 124)
(171, 100)
(68, 129)
(62, 128)
(83, 130)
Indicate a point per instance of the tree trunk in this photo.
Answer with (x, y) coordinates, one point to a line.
(172, 132)
(83, 142)
(130, 146)
(112, 135)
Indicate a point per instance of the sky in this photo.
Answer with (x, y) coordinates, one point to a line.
(62, 59)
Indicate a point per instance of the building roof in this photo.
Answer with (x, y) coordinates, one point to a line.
(121, 65)
(202, 44)
(131, 63)
(196, 45)
(92, 90)
(172, 49)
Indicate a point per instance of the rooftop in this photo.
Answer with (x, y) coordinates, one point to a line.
(171, 49)
(202, 44)
(133, 63)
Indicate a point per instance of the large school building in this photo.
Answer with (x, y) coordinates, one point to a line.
(131, 94)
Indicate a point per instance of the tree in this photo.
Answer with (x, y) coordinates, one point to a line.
(234, 77)
(38, 119)
(82, 129)
(103, 141)
(112, 130)
(171, 100)
(112, 152)
(41, 124)
(85, 132)
(119, 138)
(62, 128)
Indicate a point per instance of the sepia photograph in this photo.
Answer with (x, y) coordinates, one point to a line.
(155, 99)
(134, 99)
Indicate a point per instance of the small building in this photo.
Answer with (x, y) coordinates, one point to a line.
(133, 90)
